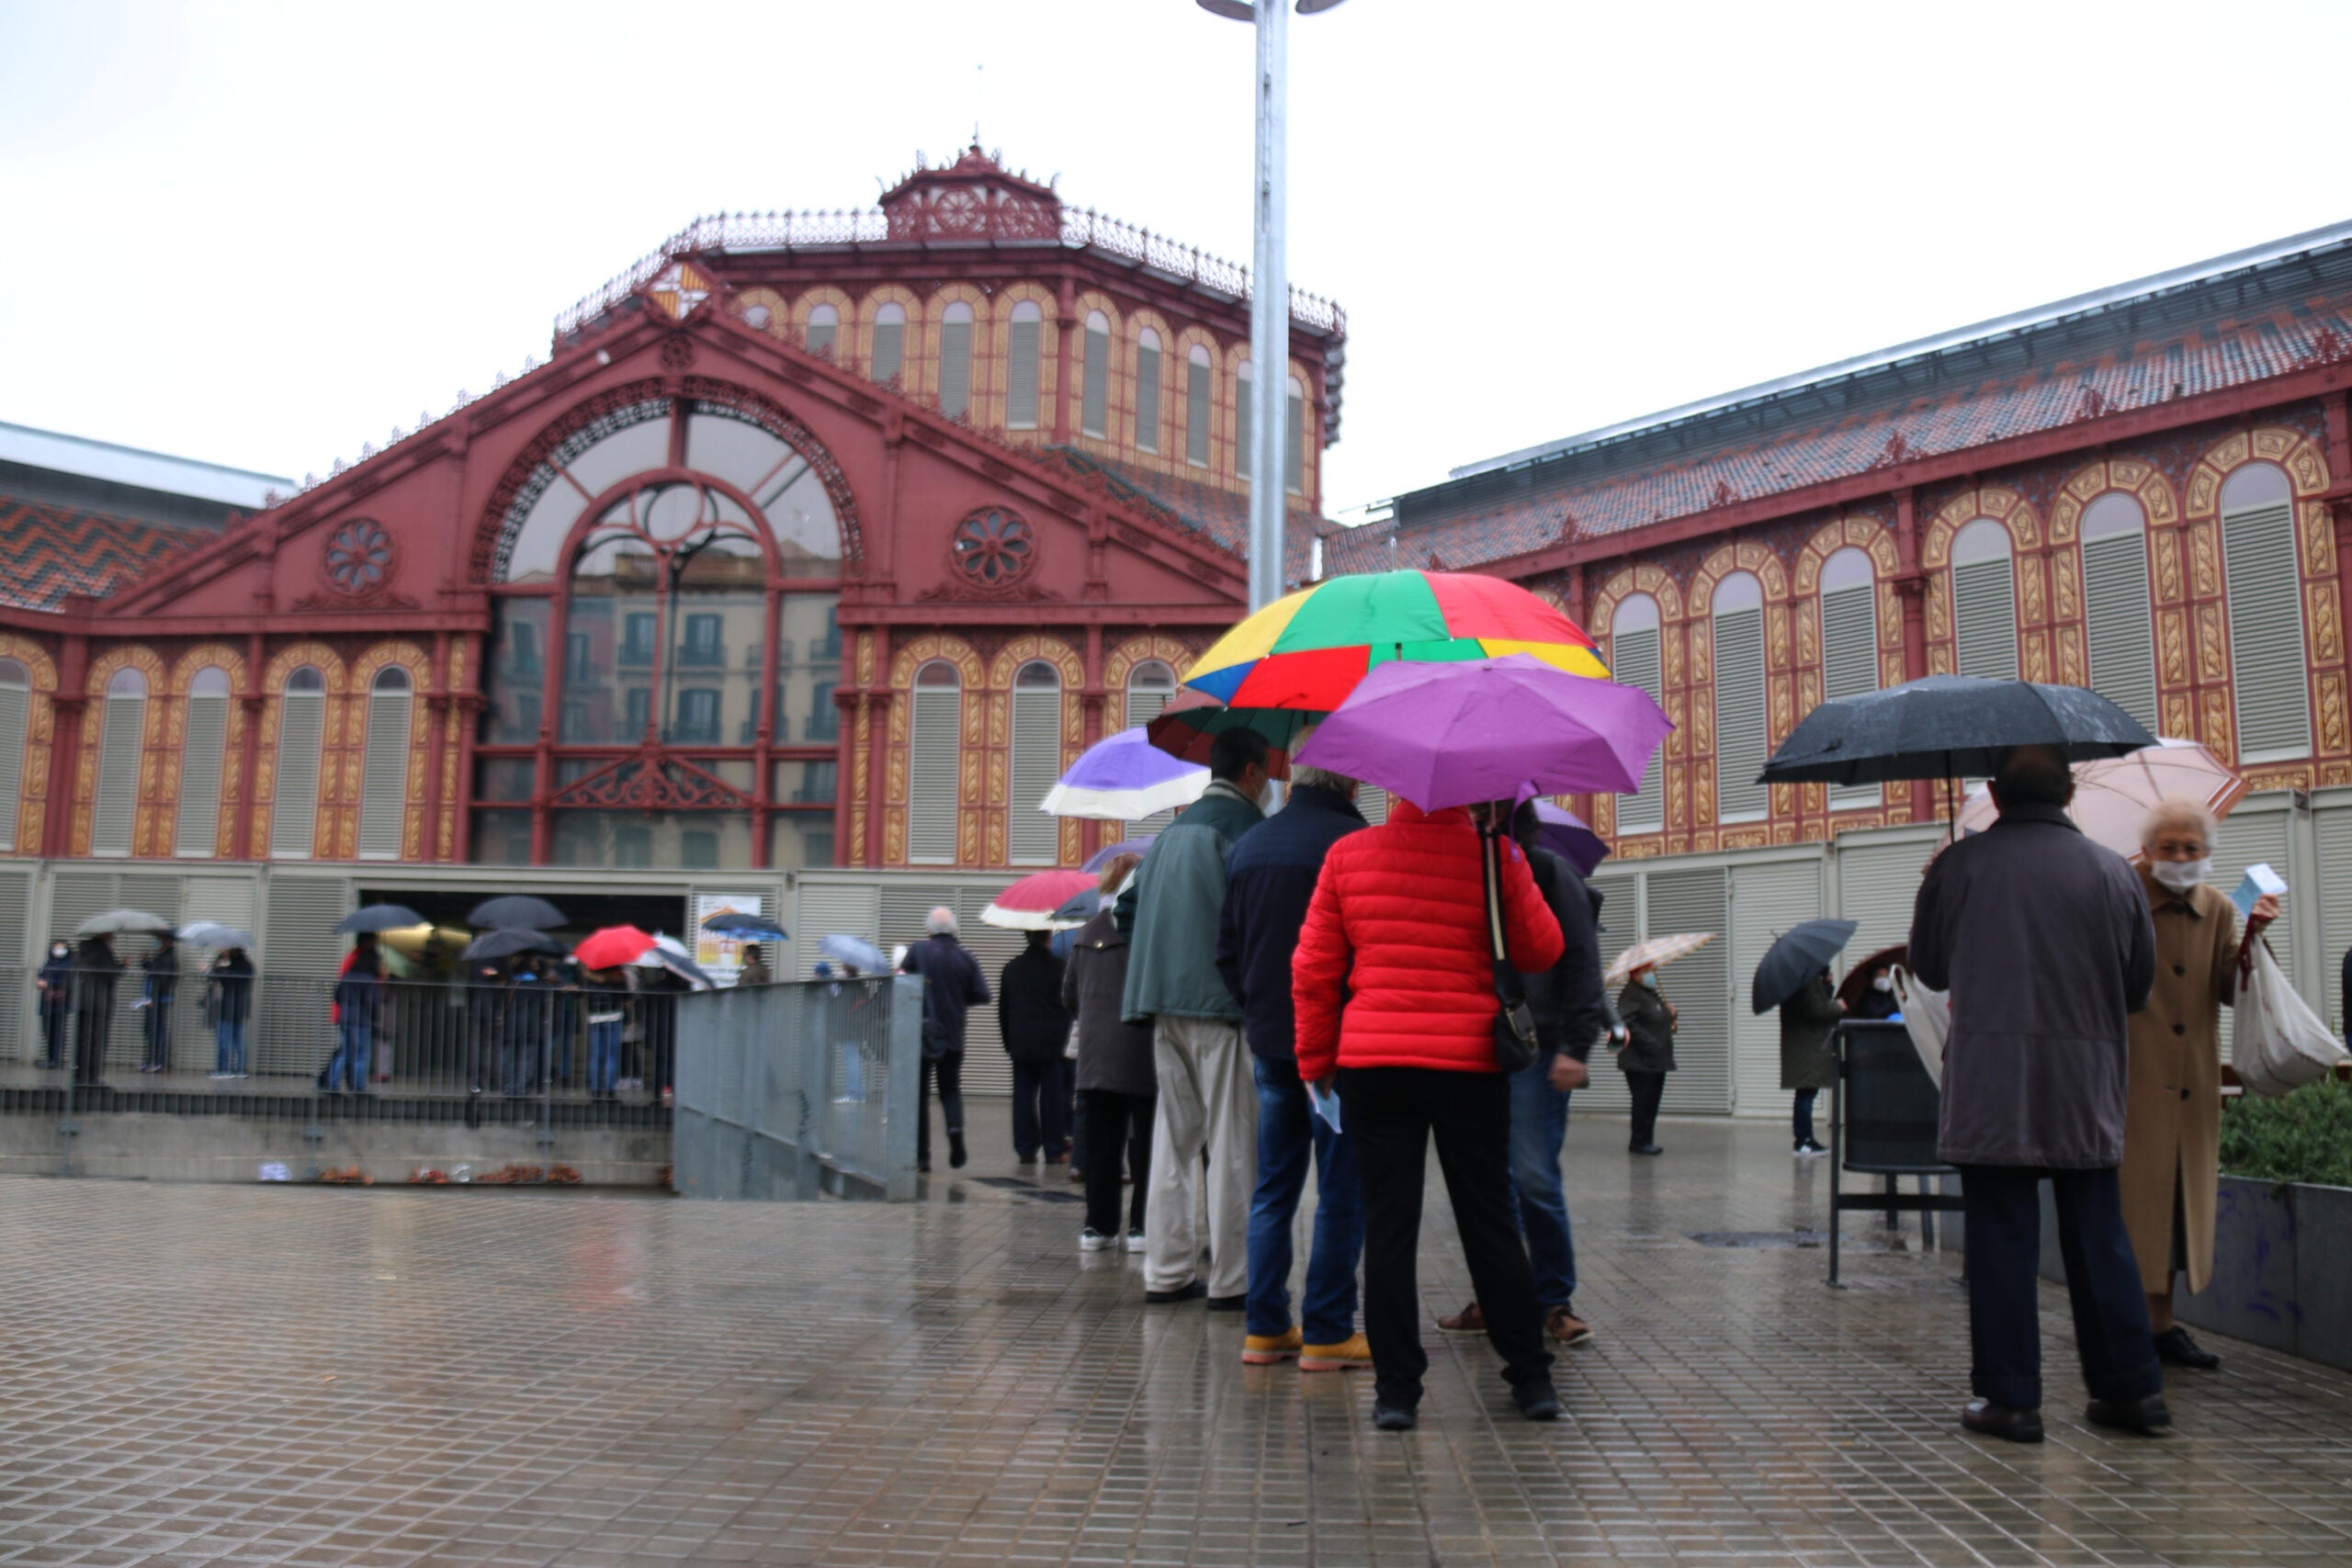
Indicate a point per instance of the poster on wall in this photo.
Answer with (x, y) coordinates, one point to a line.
(721, 957)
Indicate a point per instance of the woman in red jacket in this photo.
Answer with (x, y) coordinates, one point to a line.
(1397, 934)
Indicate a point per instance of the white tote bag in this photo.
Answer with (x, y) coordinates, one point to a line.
(1928, 1015)
(2278, 1044)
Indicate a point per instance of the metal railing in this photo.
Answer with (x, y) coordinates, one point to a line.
(792, 1091)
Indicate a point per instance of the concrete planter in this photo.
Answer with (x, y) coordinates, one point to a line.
(2282, 1268)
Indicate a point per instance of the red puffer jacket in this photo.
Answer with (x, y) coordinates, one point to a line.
(1398, 927)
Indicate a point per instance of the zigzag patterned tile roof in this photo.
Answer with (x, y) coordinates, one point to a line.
(1222, 515)
(48, 552)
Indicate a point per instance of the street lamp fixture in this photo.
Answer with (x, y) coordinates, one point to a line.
(1270, 291)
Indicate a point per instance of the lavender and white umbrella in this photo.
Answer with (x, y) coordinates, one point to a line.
(1124, 778)
(1502, 729)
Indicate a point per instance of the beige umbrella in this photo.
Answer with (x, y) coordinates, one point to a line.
(2112, 795)
(1659, 951)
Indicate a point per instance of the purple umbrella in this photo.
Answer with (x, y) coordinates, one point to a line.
(1124, 778)
(1564, 834)
(1504, 728)
(1110, 852)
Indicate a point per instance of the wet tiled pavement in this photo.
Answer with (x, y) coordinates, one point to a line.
(232, 1375)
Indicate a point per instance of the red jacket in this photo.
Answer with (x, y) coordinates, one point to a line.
(1398, 928)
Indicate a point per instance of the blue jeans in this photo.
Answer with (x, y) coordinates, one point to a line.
(229, 1046)
(1539, 1126)
(1287, 1129)
(604, 1055)
(1801, 1114)
(351, 1056)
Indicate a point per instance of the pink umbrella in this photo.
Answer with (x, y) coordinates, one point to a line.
(1029, 903)
(2112, 795)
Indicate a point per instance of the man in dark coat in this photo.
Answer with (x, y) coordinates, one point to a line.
(952, 987)
(1269, 882)
(1116, 1071)
(163, 978)
(95, 970)
(1808, 1062)
(2044, 938)
(1036, 1027)
(1571, 1015)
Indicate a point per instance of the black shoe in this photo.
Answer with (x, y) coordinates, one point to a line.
(1644, 1149)
(1393, 1417)
(922, 1166)
(1537, 1401)
(1191, 1292)
(2144, 1416)
(2004, 1422)
(1227, 1303)
(2175, 1348)
(956, 1156)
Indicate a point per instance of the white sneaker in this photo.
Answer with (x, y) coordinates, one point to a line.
(217, 1076)
(1091, 1240)
(1135, 1241)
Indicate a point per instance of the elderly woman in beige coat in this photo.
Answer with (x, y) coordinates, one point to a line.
(2173, 1119)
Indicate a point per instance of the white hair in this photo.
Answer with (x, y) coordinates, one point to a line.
(941, 922)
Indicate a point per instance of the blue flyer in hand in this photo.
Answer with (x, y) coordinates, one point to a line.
(1326, 1103)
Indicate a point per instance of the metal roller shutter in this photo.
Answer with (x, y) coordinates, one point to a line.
(233, 901)
(1741, 746)
(933, 786)
(1144, 705)
(2267, 663)
(74, 896)
(827, 907)
(19, 1031)
(1621, 927)
(383, 785)
(1877, 884)
(1295, 444)
(2253, 834)
(1148, 399)
(1633, 658)
(1020, 375)
(1849, 667)
(1765, 901)
(158, 894)
(2117, 618)
(2333, 827)
(987, 1069)
(294, 819)
(1094, 404)
(890, 350)
(115, 815)
(1196, 414)
(15, 711)
(955, 369)
(300, 953)
(1245, 433)
(1372, 801)
(197, 831)
(1984, 618)
(1032, 837)
(1699, 985)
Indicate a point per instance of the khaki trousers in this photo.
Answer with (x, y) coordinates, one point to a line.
(1208, 1100)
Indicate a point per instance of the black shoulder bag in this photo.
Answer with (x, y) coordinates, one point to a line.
(1515, 1043)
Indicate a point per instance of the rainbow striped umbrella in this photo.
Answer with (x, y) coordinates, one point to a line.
(1309, 650)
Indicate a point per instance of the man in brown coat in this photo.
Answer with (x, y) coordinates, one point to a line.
(2043, 941)
(2172, 1126)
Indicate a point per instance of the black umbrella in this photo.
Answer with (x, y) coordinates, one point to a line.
(1798, 956)
(1947, 725)
(380, 917)
(519, 910)
(748, 928)
(508, 940)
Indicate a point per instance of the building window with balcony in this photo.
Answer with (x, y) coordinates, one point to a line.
(702, 644)
(636, 637)
(824, 720)
(697, 718)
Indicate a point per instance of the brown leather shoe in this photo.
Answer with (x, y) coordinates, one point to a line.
(2145, 1416)
(1567, 1327)
(2011, 1426)
(1469, 1320)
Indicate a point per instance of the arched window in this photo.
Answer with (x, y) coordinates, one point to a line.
(1148, 392)
(1094, 403)
(935, 747)
(1742, 737)
(1035, 839)
(824, 326)
(890, 342)
(1245, 432)
(2268, 669)
(16, 724)
(203, 753)
(1295, 440)
(1149, 685)
(1023, 335)
(122, 729)
(1635, 658)
(956, 360)
(1985, 602)
(1849, 649)
(677, 559)
(301, 728)
(2115, 605)
(383, 776)
(1199, 383)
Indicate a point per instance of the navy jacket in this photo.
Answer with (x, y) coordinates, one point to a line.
(1268, 881)
(952, 987)
(1566, 997)
(1029, 1011)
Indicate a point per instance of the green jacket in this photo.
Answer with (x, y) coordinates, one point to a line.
(1172, 912)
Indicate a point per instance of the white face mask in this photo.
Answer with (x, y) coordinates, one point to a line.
(1883, 983)
(2181, 875)
(1650, 980)
(58, 952)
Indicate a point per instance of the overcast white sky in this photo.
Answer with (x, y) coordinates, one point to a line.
(263, 231)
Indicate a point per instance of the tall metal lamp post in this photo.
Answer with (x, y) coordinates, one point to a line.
(1270, 291)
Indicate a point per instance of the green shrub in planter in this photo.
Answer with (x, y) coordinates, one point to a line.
(2307, 1136)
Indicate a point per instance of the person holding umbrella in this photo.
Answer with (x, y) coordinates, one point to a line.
(95, 970)
(1808, 1062)
(161, 980)
(357, 997)
(2045, 940)
(232, 982)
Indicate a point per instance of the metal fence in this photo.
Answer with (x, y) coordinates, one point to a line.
(792, 1091)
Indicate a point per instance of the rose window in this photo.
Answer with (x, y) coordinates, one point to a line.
(359, 556)
(993, 547)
